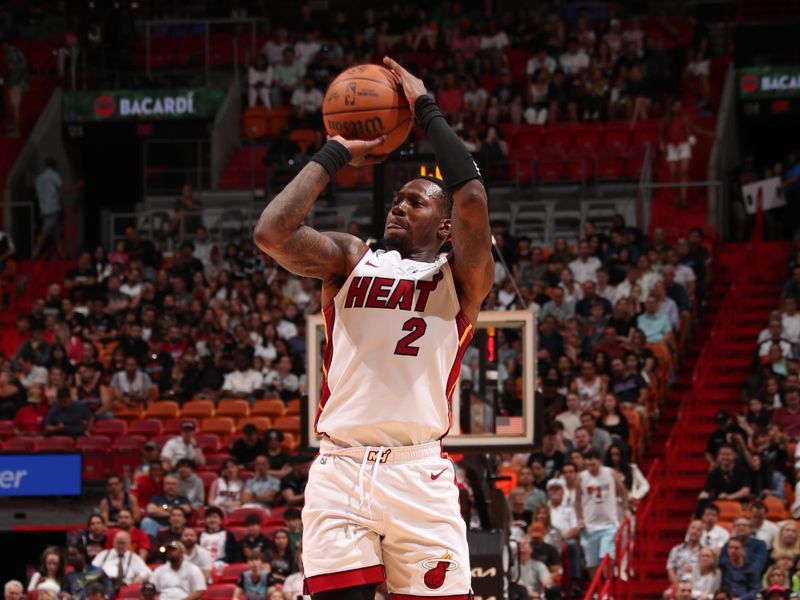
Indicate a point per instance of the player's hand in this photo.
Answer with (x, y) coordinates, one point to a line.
(413, 87)
(361, 150)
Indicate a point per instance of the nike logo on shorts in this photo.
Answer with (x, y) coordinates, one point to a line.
(439, 474)
(369, 264)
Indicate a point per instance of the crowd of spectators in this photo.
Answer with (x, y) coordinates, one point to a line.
(743, 538)
(128, 327)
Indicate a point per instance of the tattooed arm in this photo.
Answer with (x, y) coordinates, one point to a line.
(280, 231)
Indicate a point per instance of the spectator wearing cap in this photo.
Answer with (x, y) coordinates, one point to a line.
(178, 579)
(120, 565)
(226, 490)
(140, 542)
(176, 525)
(563, 518)
(159, 507)
(278, 459)
(542, 551)
(293, 485)
(218, 541)
(787, 418)
(67, 417)
(195, 553)
(263, 488)
(182, 446)
(191, 485)
(245, 449)
(148, 591)
(131, 385)
(83, 574)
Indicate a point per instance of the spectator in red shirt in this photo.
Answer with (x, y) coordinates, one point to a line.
(787, 418)
(29, 419)
(151, 483)
(451, 98)
(12, 340)
(140, 542)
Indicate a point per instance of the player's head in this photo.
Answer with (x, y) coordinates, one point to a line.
(419, 218)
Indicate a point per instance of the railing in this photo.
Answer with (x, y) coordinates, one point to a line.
(162, 176)
(613, 576)
(724, 155)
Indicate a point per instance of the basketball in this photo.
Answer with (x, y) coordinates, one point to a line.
(365, 102)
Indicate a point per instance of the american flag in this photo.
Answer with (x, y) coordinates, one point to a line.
(509, 426)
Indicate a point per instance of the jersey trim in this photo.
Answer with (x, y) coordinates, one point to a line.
(344, 579)
(465, 331)
(328, 318)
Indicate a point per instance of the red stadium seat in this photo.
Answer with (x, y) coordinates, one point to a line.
(617, 135)
(287, 423)
(220, 425)
(293, 406)
(255, 122)
(268, 408)
(270, 530)
(246, 475)
(557, 136)
(208, 478)
(198, 409)
(233, 408)
(230, 573)
(125, 442)
(20, 444)
(634, 161)
(110, 427)
(220, 591)
(550, 164)
(164, 409)
(228, 440)
(580, 163)
(162, 439)
(6, 429)
(208, 442)
(239, 516)
(587, 135)
(96, 457)
(56, 443)
(126, 453)
(238, 532)
(214, 462)
(527, 143)
(279, 511)
(261, 423)
(647, 133)
(146, 427)
(609, 163)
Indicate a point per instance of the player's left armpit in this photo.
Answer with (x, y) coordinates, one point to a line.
(455, 162)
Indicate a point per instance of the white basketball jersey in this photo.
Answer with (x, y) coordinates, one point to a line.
(599, 499)
(395, 335)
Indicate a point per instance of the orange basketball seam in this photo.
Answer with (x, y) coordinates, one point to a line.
(356, 110)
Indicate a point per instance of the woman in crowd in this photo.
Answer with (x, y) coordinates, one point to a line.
(590, 387)
(706, 576)
(226, 490)
(281, 558)
(252, 584)
(787, 541)
(612, 420)
(552, 535)
(635, 482)
(50, 575)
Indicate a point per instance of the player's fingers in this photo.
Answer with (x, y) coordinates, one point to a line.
(372, 144)
(394, 66)
(373, 159)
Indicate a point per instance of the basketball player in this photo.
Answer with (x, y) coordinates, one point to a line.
(381, 501)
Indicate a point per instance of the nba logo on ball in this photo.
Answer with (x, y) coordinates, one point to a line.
(350, 94)
(436, 569)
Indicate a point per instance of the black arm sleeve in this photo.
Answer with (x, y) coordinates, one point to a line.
(455, 162)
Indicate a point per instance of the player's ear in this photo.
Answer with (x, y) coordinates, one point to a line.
(445, 226)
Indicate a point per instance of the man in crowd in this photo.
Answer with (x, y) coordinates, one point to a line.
(756, 550)
(120, 565)
(763, 529)
(195, 553)
(160, 506)
(533, 495)
(654, 324)
(685, 556)
(564, 519)
(140, 541)
(728, 480)
(182, 446)
(712, 536)
(190, 483)
(739, 574)
(178, 579)
(13, 590)
(83, 573)
(131, 386)
(176, 525)
(262, 488)
(248, 447)
(67, 417)
(293, 485)
(787, 418)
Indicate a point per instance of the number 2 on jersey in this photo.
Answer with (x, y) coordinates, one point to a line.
(416, 326)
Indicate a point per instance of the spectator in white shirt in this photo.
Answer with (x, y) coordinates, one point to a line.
(575, 60)
(281, 379)
(308, 48)
(274, 48)
(245, 381)
(564, 519)
(182, 446)
(307, 104)
(202, 245)
(540, 60)
(195, 553)
(259, 82)
(31, 375)
(790, 319)
(178, 579)
(584, 268)
(121, 565)
(604, 288)
(713, 536)
(131, 385)
(764, 530)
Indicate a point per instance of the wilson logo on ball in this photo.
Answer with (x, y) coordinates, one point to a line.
(368, 126)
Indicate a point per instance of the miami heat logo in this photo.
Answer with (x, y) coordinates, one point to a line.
(437, 569)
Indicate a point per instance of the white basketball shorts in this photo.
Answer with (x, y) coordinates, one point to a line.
(375, 514)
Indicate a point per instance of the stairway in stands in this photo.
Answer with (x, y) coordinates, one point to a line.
(747, 286)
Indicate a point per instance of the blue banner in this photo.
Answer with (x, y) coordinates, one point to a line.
(40, 474)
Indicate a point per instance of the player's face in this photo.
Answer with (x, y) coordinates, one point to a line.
(415, 220)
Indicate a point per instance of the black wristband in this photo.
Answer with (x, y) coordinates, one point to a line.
(455, 162)
(332, 156)
(426, 110)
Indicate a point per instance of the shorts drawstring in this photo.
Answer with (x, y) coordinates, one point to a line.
(362, 494)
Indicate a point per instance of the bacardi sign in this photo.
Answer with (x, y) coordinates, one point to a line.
(769, 82)
(126, 105)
